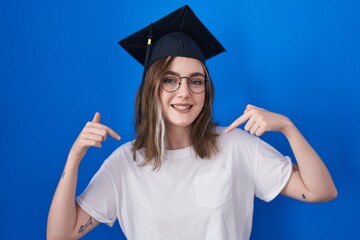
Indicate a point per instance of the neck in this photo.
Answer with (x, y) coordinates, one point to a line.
(177, 137)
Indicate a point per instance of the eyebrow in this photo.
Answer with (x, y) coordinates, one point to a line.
(191, 75)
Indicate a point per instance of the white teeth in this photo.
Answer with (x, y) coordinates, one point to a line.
(181, 107)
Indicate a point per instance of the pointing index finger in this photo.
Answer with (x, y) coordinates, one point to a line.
(113, 133)
(243, 118)
(108, 130)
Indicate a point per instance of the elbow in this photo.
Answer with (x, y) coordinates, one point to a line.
(332, 195)
(328, 196)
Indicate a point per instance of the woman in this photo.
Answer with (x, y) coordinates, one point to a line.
(183, 177)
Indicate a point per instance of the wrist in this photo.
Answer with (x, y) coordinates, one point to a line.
(289, 128)
(73, 160)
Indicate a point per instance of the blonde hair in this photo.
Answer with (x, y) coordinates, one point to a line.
(150, 124)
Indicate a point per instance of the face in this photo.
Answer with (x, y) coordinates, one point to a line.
(182, 106)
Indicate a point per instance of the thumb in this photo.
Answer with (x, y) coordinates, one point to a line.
(96, 117)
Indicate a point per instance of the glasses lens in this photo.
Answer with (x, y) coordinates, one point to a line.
(197, 84)
(170, 82)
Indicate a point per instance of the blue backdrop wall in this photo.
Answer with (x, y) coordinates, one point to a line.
(60, 63)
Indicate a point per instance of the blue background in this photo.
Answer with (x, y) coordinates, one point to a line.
(60, 63)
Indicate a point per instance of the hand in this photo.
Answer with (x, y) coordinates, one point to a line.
(260, 121)
(92, 135)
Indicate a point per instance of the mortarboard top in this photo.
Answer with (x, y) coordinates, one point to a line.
(179, 33)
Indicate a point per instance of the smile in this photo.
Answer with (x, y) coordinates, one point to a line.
(181, 107)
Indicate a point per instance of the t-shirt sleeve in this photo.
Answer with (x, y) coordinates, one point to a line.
(272, 172)
(99, 197)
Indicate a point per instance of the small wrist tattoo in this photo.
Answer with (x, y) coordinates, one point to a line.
(303, 196)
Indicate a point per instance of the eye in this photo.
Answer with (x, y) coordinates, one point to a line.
(169, 80)
(196, 82)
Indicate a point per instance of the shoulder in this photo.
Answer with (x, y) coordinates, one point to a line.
(120, 155)
(125, 147)
(236, 136)
(122, 149)
(240, 148)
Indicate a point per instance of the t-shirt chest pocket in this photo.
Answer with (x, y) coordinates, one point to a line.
(213, 189)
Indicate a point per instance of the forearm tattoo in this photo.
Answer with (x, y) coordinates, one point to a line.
(83, 227)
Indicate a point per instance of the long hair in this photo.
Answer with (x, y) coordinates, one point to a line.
(150, 124)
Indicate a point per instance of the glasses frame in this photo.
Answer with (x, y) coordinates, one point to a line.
(179, 83)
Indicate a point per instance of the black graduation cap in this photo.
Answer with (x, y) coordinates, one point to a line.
(179, 33)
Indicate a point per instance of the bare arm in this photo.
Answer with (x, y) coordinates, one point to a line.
(66, 219)
(311, 180)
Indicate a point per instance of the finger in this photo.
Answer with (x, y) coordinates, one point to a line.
(96, 117)
(90, 143)
(260, 131)
(91, 136)
(113, 134)
(243, 118)
(249, 123)
(108, 130)
(254, 128)
(247, 108)
(95, 128)
(97, 131)
(250, 107)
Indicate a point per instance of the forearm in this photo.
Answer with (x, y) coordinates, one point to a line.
(62, 214)
(312, 169)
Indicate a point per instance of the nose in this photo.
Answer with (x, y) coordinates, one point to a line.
(183, 90)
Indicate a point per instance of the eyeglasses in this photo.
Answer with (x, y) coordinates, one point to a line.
(171, 82)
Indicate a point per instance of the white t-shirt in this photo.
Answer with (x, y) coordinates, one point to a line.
(189, 197)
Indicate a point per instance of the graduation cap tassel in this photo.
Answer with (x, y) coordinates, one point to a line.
(146, 63)
(148, 50)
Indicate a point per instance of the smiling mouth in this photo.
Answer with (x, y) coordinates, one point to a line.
(181, 107)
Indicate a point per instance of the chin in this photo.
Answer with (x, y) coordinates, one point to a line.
(182, 124)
